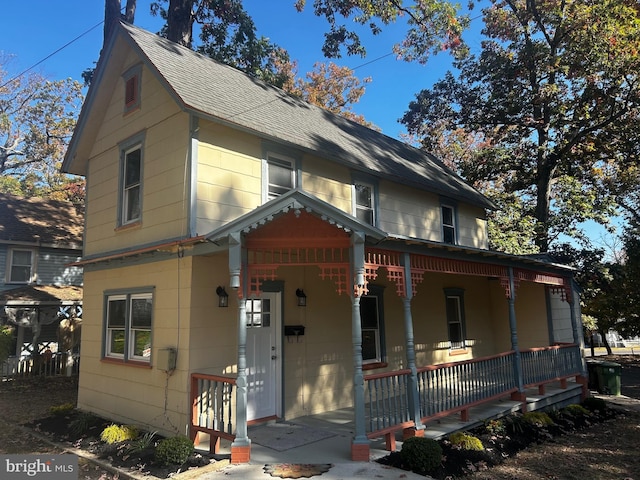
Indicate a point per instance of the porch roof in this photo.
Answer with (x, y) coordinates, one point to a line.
(295, 199)
(41, 295)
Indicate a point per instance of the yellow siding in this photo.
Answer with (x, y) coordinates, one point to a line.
(229, 175)
(137, 394)
(328, 181)
(164, 169)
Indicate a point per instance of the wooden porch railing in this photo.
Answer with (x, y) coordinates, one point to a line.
(211, 408)
(541, 366)
(455, 387)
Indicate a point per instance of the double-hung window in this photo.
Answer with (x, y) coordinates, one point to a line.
(280, 175)
(128, 326)
(21, 265)
(454, 298)
(372, 324)
(448, 224)
(131, 182)
(364, 202)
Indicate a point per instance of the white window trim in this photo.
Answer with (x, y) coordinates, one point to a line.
(129, 337)
(454, 220)
(357, 207)
(32, 265)
(275, 157)
(134, 143)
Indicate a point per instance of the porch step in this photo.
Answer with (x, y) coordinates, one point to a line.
(554, 397)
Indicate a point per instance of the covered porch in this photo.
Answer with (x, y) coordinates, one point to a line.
(297, 231)
(453, 397)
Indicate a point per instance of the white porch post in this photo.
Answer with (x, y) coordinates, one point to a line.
(360, 448)
(241, 446)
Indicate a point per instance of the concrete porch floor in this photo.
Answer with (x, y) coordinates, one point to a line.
(337, 448)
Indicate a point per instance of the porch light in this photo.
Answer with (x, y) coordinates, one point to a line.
(302, 298)
(223, 297)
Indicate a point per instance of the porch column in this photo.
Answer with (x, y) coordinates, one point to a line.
(572, 312)
(360, 449)
(241, 446)
(414, 399)
(517, 366)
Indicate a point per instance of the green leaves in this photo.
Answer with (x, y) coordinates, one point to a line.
(552, 102)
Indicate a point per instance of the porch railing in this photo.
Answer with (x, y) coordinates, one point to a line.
(211, 408)
(455, 387)
(60, 363)
(545, 365)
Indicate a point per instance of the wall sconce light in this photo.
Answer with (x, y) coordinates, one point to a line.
(223, 297)
(302, 298)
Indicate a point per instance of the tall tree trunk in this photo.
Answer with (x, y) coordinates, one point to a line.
(543, 202)
(180, 22)
(130, 11)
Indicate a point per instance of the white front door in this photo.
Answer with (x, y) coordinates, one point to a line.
(264, 344)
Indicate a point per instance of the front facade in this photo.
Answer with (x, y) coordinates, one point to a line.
(40, 293)
(242, 245)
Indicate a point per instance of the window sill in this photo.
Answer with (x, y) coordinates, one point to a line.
(129, 226)
(458, 351)
(128, 363)
(374, 365)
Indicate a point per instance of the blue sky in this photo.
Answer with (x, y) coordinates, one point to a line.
(31, 30)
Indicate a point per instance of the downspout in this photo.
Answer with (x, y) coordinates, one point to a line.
(241, 446)
(414, 399)
(517, 363)
(360, 448)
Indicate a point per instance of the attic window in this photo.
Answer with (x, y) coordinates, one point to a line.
(132, 89)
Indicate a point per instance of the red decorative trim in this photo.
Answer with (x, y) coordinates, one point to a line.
(360, 452)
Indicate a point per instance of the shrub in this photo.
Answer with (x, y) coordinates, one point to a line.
(82, 423)
(421, 454)
(142, 443)
(61, 409)
(465, 441)
(594, 404)
(118, 433)
(174, 450)
(576, 410)
(537, 418)
(495, 427)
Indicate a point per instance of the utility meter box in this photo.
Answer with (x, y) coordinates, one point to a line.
(167, 358)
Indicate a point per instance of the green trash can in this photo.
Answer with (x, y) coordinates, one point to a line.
(609, 374)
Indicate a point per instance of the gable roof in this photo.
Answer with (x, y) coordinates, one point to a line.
(221, 93)
(295, 199)
(39, 220)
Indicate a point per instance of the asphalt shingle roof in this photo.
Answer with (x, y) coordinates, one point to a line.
(49, 222)
(225, 94)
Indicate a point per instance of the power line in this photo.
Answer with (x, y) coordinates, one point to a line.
(51, 54)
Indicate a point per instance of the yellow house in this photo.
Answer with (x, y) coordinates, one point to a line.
(250, 257)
